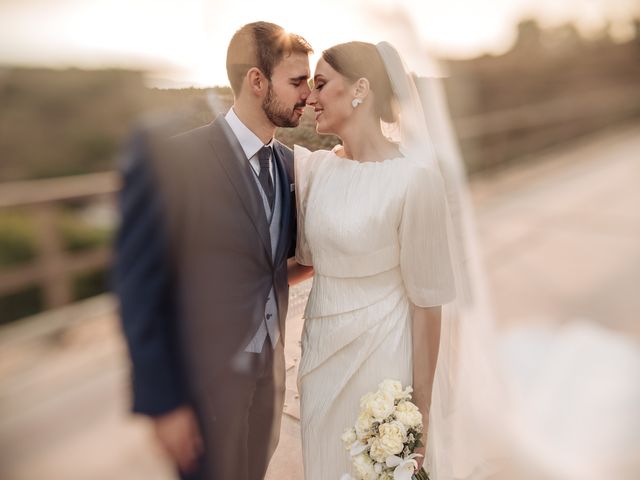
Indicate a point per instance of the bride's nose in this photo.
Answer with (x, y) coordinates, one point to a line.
(312, 98)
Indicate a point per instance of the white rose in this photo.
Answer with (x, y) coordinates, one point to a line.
(377, 451)
(364, 467)
(392, 437)
(394, 388)
(408, 414)
(363, 425)
(380, 405)
(364, 401)
(348, 437)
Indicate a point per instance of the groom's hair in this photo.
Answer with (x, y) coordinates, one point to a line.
(261, 45)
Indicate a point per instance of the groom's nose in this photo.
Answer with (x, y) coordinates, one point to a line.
(306, 91)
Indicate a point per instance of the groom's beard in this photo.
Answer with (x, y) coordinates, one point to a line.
(278, 114)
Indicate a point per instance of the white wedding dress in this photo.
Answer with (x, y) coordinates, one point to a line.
(367, 229)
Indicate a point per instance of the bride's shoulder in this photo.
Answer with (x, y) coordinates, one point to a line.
(422, 180)
(416, 167)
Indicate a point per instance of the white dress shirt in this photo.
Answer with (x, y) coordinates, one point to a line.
(249, 141)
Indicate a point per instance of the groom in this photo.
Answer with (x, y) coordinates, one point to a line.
(208, 222)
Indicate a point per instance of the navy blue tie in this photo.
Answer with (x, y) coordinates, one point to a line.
(264, 177)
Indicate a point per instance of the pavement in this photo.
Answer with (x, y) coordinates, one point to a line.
(559, 237)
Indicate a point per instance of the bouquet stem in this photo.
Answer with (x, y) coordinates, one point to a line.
(421, 475)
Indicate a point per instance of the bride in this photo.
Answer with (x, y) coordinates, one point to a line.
(391, 271)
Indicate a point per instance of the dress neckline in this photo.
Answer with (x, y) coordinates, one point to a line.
(335, 149)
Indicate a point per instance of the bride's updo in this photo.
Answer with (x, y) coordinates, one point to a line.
(355, 60)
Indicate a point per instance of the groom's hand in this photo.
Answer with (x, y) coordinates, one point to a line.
(178, 433)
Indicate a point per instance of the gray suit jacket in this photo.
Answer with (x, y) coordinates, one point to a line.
(214, 258)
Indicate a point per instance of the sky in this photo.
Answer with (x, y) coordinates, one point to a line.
(184, 42)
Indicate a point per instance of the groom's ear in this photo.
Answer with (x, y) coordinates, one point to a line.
(258, 83)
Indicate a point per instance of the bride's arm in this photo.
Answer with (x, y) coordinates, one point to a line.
(298, 273)
(426, 343)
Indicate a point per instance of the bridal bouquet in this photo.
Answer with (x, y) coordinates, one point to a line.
(387, 432)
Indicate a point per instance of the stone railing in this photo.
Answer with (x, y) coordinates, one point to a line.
(53, 268)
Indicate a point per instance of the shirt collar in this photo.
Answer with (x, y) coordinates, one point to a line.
(249, 141)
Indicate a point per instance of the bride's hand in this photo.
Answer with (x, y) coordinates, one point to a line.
(421, 399)
(426, 341)
(422, 450)
(420, 460)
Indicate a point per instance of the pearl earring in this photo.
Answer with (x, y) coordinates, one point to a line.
(355, 102)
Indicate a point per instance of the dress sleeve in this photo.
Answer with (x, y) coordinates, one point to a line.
(425, 257)
(303, 163)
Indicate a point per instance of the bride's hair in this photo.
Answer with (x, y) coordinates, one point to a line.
(355, 60)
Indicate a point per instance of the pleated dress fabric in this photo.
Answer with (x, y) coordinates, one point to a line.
(371, 232)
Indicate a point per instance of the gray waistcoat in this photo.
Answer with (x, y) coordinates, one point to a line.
(269, 327)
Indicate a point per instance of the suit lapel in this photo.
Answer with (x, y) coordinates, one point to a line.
(228, 150)
(285, 224)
